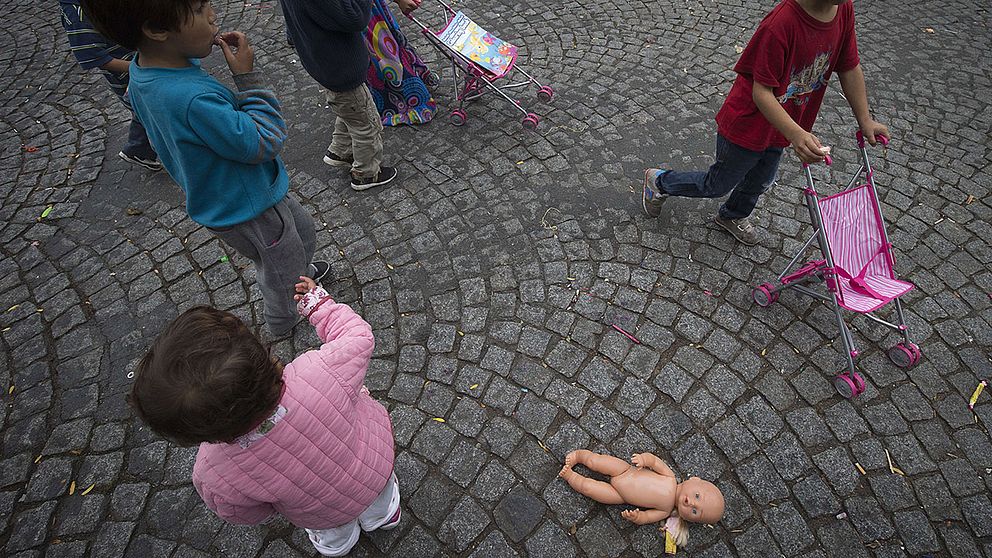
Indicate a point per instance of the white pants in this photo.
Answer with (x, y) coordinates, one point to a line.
(339, 541)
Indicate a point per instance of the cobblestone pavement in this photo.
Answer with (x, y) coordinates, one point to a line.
(468, 269)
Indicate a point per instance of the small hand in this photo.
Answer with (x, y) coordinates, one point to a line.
(872, 130)
(631, 515)
(407, 6)
(641, 460)
(808, 148)
(239, 54)
(305, 285)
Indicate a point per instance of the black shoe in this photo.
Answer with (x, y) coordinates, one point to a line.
(319, 269)
(385, 176)
(150, 164)
(336, 160)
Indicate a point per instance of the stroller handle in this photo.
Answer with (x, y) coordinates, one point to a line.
(884, 140)
(826, 159)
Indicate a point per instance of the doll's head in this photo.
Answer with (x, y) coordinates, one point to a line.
(699, 501)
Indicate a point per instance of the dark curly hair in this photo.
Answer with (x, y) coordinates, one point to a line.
(207, 378)
(122, 20)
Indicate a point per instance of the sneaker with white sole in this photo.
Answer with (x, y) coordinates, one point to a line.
(336, 160)
(319, 270)
(150, 164)
(741, 229)
(385, 176)
(652, 199)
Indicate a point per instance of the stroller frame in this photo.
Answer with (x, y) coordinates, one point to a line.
(478, 80)
(904, 354)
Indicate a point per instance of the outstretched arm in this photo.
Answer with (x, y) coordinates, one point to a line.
(643, 517)
(853, 84)
(652, 462)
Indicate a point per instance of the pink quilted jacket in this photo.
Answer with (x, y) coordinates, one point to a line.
(331, 453)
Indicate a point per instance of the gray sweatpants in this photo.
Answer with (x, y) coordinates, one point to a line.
(280, 242)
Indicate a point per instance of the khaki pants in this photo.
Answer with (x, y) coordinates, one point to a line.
(357, 130)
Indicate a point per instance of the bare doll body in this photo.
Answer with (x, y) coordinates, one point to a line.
(647, 483)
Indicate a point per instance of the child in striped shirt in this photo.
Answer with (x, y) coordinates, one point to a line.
(93, 50)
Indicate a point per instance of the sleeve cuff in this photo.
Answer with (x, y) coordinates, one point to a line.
(312, 300)
(249, 81)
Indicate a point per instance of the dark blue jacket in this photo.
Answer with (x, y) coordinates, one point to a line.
(329, 37)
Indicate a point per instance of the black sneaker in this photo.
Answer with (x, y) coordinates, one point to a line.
(336, 160)
(319, 269)
(150, 164)
(385, 176)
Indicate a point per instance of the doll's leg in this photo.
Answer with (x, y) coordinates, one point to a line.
(597, 490)
(606, 464)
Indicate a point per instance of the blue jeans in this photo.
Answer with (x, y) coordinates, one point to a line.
(137, 139)
(747, 173)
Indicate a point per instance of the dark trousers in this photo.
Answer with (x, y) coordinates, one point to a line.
(745, 173)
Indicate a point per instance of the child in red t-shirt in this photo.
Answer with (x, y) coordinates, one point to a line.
(781, 78)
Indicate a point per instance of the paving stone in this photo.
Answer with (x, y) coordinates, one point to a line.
(494, 546)
(433, 441)
(418, 543)
(49, 480)
(733, 438)
(673, 381)
(80, 515)
(112, 539)
(761, 481)
(978, 512)
(788, 457)
(128, 500)
(600, 377)
(840, 539)
(569, 397)
(815, 497)
(433, 500)
(845, 421)
(760, 418)
(30, 527)
(600, 422)
(518, 513)
(789, 529)
(535, 415)
(837, 467)
(634, 398)
(463, 465)
(494, 481)
(549, 540)
(916, 533)
(598, 537)
(868, 518)
(892, 491)
(696, 457)
(502, 436)
(755, 541)
(463, 524)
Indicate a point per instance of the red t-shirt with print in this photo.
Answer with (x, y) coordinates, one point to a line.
(794, 54)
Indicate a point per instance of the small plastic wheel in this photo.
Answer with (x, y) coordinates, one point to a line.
(432, 79)
(531, 121)
(917, 353)
(764, 295)
(458, 117)
(859, 383)
(901, 355)
(845, 386)
(546, 93)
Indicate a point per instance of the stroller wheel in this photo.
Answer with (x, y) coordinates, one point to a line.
(904, 356)
(546, 93)
(764, 295)
(531, 121)
(859, 383)
(432, 79)
(845, 386)
(458, 117)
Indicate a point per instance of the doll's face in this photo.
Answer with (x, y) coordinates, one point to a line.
(700, 501)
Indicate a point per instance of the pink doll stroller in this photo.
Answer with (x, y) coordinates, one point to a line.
(485, 61)
(856, 267)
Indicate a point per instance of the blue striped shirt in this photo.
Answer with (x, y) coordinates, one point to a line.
(90, 48)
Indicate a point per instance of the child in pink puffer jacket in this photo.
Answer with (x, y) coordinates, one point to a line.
(305, 439)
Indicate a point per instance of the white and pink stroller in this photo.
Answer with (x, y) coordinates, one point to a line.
(856, 266)
(485, 61)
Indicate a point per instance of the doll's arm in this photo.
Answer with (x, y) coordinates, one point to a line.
(652, 462)
(643, 517)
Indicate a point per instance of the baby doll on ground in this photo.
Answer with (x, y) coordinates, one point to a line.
(650, 484)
